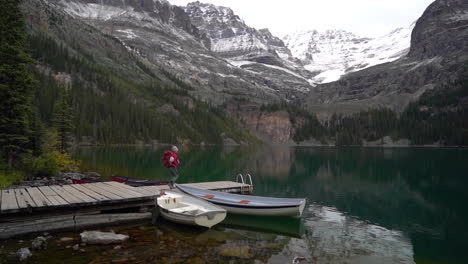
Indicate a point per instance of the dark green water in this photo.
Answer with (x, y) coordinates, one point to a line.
(364, 205)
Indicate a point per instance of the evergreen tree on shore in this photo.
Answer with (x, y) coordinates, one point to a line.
(63, 120)
(16, 82)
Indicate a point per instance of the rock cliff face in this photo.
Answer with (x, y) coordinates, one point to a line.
(441, 31)
(438, 54)
(274, 127)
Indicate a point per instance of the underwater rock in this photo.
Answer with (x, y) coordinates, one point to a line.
(66, 239)
(240, 252)
(103, 238)
(23, 253)
(39, 243)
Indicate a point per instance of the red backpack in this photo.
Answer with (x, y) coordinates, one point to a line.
(167, 155)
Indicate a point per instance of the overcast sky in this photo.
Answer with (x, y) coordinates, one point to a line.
(368, 18)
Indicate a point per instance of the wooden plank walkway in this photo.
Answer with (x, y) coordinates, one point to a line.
(77, 206)
(81, 195)
(70, 196)
(223, 186)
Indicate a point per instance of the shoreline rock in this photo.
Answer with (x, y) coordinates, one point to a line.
(102, 238)
(23, 254)
(39, 243)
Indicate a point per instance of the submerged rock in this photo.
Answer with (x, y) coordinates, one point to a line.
(239, 252)
(66, 239)
(39, 243)
(97, 237)
(23, 253)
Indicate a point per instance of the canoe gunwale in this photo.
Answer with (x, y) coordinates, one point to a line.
(254, 206)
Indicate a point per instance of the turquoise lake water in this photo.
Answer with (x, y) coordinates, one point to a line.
(365, 205)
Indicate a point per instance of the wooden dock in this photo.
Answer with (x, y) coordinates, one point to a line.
(223, 186)
(76, 206)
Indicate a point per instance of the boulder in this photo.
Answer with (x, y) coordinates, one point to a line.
(103, 238)
(93, 174)
(23, 254)
(39, 243)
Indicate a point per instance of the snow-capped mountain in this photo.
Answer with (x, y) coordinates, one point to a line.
(246, 47)
(437, 57)
(231, 37)
(334, 53)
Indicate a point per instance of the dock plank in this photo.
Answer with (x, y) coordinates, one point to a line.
(101, 191)
(79, 194)
(113, 190)
(9, 200)
(38, 197)
(129, 189)
(24, 199)
(69, 198)
(52, 196)
(89, 192)
(155, 189)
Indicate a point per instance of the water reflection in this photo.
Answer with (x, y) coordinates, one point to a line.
(293, 227)
(336, 238)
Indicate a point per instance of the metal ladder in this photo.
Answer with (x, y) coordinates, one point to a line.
(247, 177)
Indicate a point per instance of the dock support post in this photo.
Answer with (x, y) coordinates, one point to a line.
(154, 215)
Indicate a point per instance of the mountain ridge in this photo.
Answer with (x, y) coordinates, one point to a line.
(146, 41)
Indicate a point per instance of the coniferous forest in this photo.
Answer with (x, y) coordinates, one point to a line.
(439, 116)
(109, 109)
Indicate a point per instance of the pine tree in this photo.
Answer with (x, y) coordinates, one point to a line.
(16, 82)
(63, 120)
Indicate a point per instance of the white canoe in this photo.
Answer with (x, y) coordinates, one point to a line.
(249, 204)
(185, 209)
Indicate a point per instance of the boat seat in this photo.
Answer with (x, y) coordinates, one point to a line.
(187, 208)
(244, 202)
(208, 196)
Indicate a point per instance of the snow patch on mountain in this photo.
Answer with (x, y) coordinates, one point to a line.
(103, 12)
(334, 53)
(239, 42)
(127, 33)
(95, 11)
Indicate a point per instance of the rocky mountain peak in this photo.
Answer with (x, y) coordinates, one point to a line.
(442, 30)
(229, 35)
(211, 11)
(243, 46)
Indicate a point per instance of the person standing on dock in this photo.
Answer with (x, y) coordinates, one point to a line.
(171, 161)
